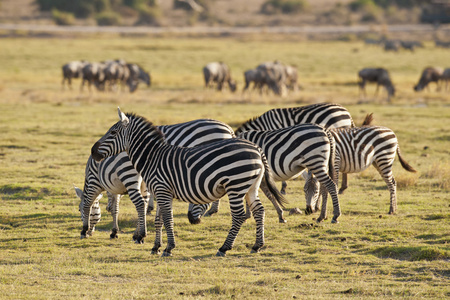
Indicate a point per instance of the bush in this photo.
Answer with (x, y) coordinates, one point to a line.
(149, 16)
(284, 6)
(108, 18)
(63, 18)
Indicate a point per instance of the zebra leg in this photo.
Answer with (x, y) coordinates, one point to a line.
(388, 177)
(114, 199)
(257, 210)
(238, 218)
(158, 230)
(283, 187)
(166, 213)
(151, 202)
(331, 187)
(214, 208)
(344, 185)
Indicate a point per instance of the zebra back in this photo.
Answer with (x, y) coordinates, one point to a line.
(328, 115)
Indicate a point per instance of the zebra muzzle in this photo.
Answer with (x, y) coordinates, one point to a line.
(309, 210)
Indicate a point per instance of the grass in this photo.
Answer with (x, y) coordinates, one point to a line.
(47, 135)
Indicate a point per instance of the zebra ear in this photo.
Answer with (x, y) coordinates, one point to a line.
(123, 117)
(78, 191)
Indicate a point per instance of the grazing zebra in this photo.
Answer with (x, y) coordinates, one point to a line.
(328, 115)
(117, 175)
(198, 175)
(356, 150)
(290, 150)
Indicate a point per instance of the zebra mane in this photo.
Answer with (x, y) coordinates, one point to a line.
(147, 125)
(248, 122)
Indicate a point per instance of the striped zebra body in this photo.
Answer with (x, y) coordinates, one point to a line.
(328, 115)
(356, 150)
(292, 149)
(197, 175)
(117, 176)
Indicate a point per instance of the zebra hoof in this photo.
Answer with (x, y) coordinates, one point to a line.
(221, 254)
(166, 254)
(334, 221)
(83, 237)
(282, 220)
(113, 236)
(155, 251)
(139, 241)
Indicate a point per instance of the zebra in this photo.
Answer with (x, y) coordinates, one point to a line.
(328, 115)
(292, 149)
(198, 175)
(356, 150)
(117, 175)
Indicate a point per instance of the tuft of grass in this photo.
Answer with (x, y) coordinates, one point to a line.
(412, 253)
(406, 180)
(440, 174)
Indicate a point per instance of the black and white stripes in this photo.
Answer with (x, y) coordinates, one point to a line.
(197, 175)
(358, 149)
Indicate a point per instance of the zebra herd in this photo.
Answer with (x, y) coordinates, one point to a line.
(200, 161)
(105, 75)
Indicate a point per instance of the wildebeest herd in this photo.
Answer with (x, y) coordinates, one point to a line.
(201, 161)
(106, 75)
(270, 76)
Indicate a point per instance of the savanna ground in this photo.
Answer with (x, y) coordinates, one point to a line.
(47, 133)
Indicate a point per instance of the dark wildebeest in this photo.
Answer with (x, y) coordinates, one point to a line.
(392, 45)
(429, 74)
(71, 70)
(94, 73)
(442, 44)
(446, 77)
(137, 74)
(274, 75)
(116, 72)
(378, 75)
(219, 73)
(255, 76)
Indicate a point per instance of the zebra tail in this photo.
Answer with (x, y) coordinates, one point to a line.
(403, 162)
(268, 185)
(331, 160)
(368, 120)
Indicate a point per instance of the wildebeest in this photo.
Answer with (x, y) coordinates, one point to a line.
(378, 75)
(392, 45)
(429, 74)
(218, 73)
(446, 77)
(255, 76)
(442, 44)
(274, 75)
(411, 45)
(94, 73)
(71, 70)
(137, 74)
(116, 72)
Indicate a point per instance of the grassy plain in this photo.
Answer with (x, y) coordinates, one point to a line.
(45, 140)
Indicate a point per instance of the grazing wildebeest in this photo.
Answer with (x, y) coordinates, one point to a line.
(392, 45)
(218, 73)
(274, 75)
(446, 77)
(429, 74)
(411, 45)
(137, 74)
(442, 44)
(71, 70)
(116, 72)
(255, 76)
(378, 75)
(94, 73)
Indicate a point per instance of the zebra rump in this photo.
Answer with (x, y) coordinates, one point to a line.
(356, 150)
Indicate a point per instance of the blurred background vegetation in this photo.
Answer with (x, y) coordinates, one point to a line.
(224, 12)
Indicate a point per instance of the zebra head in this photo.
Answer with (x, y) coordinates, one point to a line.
(96, 212)
(114, 141)
(311, 189)
(196, 211)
